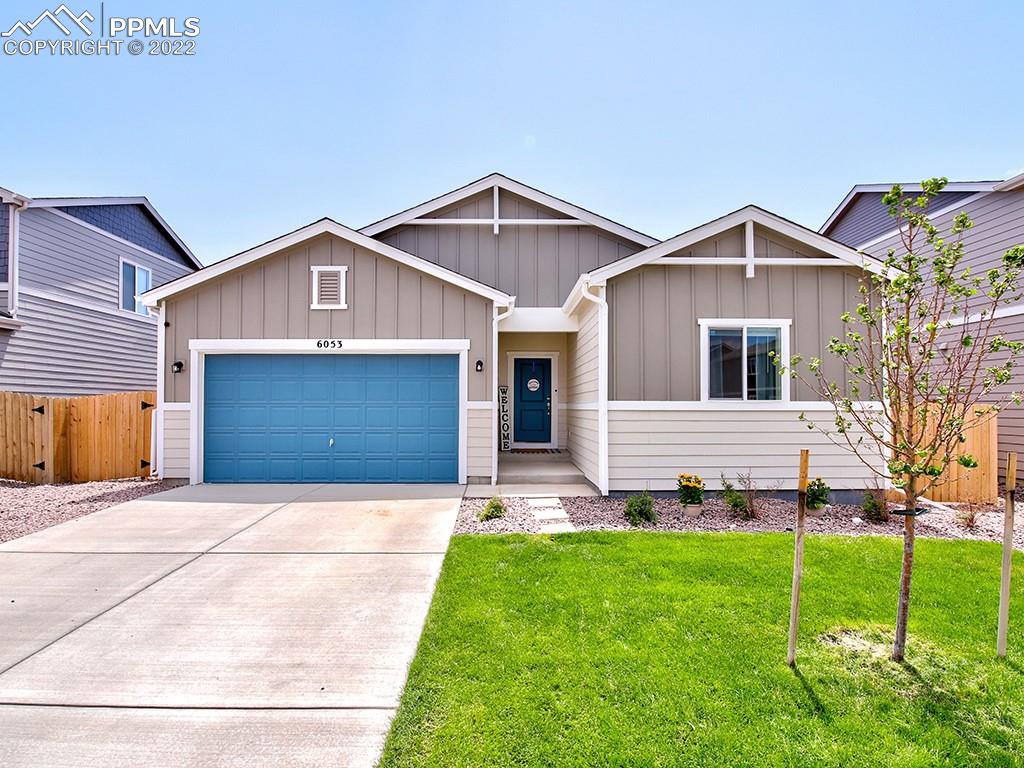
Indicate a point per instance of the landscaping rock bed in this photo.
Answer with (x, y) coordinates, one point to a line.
(606, 514)
(518, 519)
(25, 508)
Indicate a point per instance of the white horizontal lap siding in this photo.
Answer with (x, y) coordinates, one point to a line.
(649, 448)
(582, 428)
(480, 442)
(175, 459)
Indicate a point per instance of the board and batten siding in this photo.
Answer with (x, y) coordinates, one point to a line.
(538, 265)
(648, 449)
(654, 343)
(581, 409)
(270, 299)
(75, 339)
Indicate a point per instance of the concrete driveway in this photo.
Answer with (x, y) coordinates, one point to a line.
(218, 625)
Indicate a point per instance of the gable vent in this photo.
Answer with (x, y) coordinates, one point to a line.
(328, 287)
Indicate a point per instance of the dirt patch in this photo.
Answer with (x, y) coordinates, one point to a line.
(25, 508)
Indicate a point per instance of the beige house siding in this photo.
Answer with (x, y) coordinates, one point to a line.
(648, 449)
(582, 415)
(270, 299)
(537, 264)
(175, 430)
(543, 343)
(654, 341)
(481, 443)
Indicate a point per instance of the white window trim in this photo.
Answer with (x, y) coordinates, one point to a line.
(510, 371)
(120, 286)
(315, 271)
(743, 324)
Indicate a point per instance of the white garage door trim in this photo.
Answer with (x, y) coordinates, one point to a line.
(200, 348)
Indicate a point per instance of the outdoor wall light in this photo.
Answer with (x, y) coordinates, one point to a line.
(479, 365)
(177, 366)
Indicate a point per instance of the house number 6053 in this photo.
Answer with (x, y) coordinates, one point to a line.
(328, 344)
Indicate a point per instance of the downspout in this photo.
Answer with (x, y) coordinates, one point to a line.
(498, 317)
(602, 382)
(18, 204)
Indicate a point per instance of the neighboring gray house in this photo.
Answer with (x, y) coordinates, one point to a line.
(70, 272)
(997, 209)
(384, 354)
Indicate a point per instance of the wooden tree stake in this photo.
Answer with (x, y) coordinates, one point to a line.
(1004, 584)
(798, 557)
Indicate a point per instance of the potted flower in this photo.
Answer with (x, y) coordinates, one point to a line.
(691, 493)
(817, 497)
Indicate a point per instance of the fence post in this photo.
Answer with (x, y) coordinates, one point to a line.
(1004, 584)
(798, 557)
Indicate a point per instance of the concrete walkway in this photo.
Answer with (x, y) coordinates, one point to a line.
(218, 625)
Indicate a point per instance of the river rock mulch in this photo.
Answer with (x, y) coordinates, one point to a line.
(26, 508)
(606, 514)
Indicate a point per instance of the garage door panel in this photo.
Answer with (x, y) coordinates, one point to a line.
(393, 418)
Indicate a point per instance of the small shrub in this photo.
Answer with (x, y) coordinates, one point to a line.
(494, 509)
(640, 509)
(817, 493)
(968, 513)
(733, 499)
(690, 489)
(874, 507)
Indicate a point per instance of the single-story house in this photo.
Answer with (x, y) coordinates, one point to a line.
(495, 317)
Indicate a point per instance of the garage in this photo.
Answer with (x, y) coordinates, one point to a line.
(330, 418)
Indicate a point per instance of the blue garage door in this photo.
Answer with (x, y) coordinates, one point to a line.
(331, 419)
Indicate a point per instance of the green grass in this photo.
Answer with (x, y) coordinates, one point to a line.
(646, 649)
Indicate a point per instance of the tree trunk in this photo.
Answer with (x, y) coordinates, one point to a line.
(903, 611)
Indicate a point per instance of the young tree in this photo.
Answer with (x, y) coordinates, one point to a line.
(922, 345)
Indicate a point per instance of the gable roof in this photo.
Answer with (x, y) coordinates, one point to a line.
(753, 213)
(323, 226)
(859, 189)
(517, 188)
(74, 202)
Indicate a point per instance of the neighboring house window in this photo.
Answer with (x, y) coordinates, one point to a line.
(328, 289)
(135, 281)
(736, 359)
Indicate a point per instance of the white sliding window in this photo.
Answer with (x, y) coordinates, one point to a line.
(736, 359)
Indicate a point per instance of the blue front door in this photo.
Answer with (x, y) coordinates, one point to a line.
(331, 419)
(532, 400)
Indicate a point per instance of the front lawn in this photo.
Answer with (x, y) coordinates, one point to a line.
(648, 649)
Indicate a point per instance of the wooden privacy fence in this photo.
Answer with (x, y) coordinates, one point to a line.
(75, 439)
(980, 484)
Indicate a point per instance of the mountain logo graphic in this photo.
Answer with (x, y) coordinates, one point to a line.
(55, 16)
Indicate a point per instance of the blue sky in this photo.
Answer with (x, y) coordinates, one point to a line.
(658, 115)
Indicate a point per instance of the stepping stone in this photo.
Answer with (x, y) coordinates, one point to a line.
(558, 528)
(548, 501)
(550, 513)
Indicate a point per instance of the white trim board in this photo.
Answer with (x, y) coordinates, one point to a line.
(510, 376)
(705, 324)
(321, 227)
(497, 180)
(74, 202)
(730, 405)
(69, 301)
(539, 320)
(953, 186)
(314, 288)
(750, 213)
(116, 239)
(200, 348)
